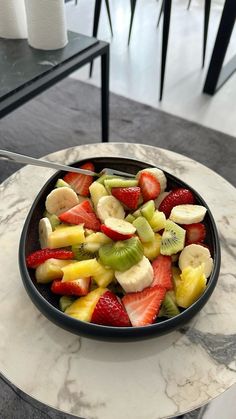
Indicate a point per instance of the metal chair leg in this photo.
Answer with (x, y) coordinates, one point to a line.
(160, 13)
(165, 37)
(109, 15)
(189, 4)
(133, 6)
(205, 32)
(97, 12)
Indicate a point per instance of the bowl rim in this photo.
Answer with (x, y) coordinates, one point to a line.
(103, 332)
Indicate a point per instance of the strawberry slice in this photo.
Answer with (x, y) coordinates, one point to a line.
(179, 196)
(162, 272)
(143, 307)
(40, 256)
(150, 186)
(82, 213)
(114, 235)
(110, 312)
(128, 196)
(195, 233)
(76, 287)
(80, 183)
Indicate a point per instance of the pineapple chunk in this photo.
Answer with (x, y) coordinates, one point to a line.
(51, 269)
(192, 285)
(96, 240)
(97, 191)
(104, 277)
(82, 308)
(158, 221)
(81, 269)
(152, 249)
(176, 276)
(66, 236)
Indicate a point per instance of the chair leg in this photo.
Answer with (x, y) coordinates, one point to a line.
(97, 12)
(133, 6)
(165, 37)
(109, 15)
(205, 32)
(189, 4)
(160, 13)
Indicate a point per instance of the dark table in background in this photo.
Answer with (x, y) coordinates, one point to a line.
(25, 72)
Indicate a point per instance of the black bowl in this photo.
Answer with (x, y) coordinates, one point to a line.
(47, 302)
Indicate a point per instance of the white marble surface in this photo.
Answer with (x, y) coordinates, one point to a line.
(154, 379)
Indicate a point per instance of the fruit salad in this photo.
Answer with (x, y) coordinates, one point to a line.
(122, 251)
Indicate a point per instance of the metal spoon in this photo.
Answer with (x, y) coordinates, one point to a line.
(20, 158)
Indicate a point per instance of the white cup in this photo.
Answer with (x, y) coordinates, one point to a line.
(13, 19)
(46, 24)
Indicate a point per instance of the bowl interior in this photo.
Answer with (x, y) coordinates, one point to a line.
(48, 303)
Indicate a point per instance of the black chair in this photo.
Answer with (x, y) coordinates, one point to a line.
(165, 9)
(97, 12)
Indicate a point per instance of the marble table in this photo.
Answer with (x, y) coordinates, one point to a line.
(157, 378)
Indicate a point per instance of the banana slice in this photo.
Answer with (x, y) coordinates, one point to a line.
(159, 175)
(109, 206)
(120, 226)
(61, 200)
(137, 277)
(45, 229)
(160, 198)
(187, 214)
(194, 255)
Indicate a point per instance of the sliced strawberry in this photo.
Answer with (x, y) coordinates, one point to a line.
(150, 186)
(128, 196)
(114, 235)
(77, 287)
(195, 233)
(143, 307)
(37, 258)
(110, 312)
(178, 196)
(80, 183)
(162, 272)
(81, 214)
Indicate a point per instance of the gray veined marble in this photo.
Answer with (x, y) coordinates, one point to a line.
(220, 347)
(21, 64)
(99, 380)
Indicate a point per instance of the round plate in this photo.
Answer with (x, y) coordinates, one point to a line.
(48, 303)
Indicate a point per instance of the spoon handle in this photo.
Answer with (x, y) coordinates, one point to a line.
(20, 158)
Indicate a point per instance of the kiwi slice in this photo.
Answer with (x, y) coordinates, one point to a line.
(84, 251)
(137, 213)
(148, 209)
(53, 218)
(130, 218)
(169, 308)
(173, 239)
(119, 183)
(65, 301)
(102, 178)
(121, 255)
(144, 229)
(61, 183)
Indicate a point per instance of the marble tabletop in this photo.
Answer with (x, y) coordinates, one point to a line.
(20, 64)
(157, 378)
